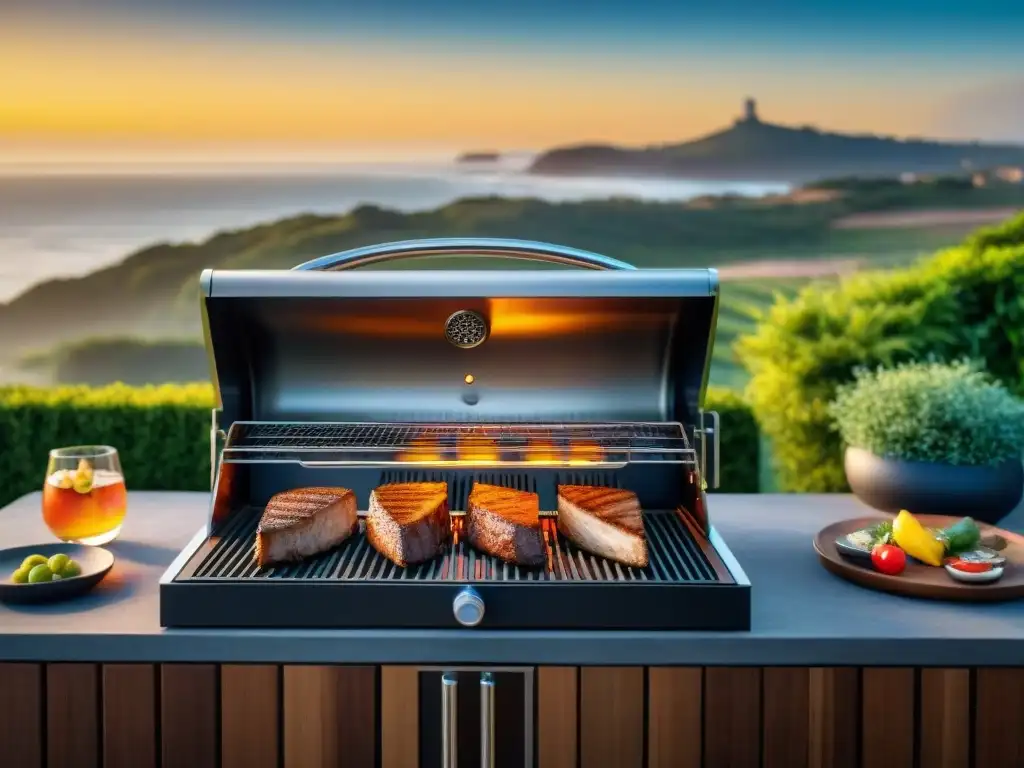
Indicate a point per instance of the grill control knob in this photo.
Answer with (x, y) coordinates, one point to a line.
(468, 607)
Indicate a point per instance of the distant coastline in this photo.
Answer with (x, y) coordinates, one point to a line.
(753, 149)
(479, 157)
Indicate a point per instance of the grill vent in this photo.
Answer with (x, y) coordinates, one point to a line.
(466, 329)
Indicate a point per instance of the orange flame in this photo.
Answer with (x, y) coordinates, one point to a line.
(582, 453)
(477, 450)
(483, 450)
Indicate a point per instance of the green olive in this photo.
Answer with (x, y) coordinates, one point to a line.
(56, 577)
(20, 576)
(32, 561)
(57, 562)
(39, 574)
(71, 569)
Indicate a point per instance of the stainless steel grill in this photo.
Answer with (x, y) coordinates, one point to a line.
(527, 379)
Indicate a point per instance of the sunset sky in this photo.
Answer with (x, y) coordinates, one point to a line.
(291, 78)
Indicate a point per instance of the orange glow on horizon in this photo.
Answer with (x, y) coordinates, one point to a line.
(166, 90)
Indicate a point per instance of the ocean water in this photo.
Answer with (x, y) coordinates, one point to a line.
(72, 222)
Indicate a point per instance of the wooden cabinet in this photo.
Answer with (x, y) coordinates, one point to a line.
(305, 716)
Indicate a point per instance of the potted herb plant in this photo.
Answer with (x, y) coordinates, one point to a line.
(932, 438)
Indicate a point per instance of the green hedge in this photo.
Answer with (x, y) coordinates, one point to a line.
(162, 434)
(964, 302)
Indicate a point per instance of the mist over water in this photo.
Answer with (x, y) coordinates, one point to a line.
(66, 223)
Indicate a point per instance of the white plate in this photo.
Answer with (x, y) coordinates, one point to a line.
(974, 578)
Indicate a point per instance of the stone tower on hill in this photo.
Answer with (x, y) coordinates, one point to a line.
(750, 112)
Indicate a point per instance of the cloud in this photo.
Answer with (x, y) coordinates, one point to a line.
(992, 112)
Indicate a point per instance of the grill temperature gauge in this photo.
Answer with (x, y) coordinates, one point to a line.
(468, 607)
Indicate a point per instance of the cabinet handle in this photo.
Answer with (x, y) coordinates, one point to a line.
(449, 720)
(486, 720)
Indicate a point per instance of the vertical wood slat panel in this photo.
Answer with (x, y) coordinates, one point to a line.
(399, 717)
(786, 717)
(612, 717)
(732, 717)
(129, 716)
(834, 714)
(188, 715)
(72, 716)
(887, 717)
(944, 730)
(330, 716)
(674, 717)
(122, 728)
(999, 717)
(21, 724)
(557, 717)
(249, 708)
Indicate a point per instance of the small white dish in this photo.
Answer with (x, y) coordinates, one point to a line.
(982, 555)
(974, 578)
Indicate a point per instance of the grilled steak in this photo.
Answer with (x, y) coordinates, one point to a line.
(408, 522)
(603, 521)
(303, 522)
(506, 523)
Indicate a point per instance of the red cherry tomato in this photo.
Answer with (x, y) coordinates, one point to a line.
(888, 559)
(968, 566)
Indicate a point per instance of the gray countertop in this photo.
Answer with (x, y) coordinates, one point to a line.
(802, 615)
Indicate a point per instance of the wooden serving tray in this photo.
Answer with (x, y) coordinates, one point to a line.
(923, 581)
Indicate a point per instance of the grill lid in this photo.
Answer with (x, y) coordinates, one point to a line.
(604, 343)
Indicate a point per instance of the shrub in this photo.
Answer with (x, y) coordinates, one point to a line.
(963, 302)
(162, 434)
(1009, 233)
(947, 414)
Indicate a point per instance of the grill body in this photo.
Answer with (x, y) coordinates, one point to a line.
(526, 379)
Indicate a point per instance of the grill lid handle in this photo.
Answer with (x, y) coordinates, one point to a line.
(497, 248)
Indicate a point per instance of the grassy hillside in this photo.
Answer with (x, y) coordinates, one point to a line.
(128, 360)
(153, 292)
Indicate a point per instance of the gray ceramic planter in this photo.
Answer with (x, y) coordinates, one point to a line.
(985, 493)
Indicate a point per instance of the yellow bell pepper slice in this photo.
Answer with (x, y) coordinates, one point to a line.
(914, 539)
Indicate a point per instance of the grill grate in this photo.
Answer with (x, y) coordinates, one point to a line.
(492, 444)
(674, 555)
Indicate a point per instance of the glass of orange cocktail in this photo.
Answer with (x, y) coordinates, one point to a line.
(84, 496)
